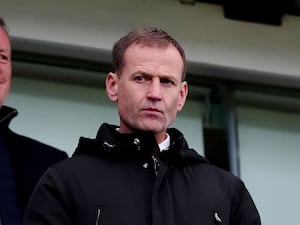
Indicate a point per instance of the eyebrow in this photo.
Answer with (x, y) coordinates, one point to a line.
(165, 76)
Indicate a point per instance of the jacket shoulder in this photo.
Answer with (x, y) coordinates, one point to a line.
(19, 142)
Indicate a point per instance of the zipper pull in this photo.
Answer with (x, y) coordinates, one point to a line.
(155, 164)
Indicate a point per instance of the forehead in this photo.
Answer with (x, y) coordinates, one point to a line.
(4, 40)
(153, 57)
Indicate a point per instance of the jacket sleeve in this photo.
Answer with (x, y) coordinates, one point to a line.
(244, 211)
(48, 204)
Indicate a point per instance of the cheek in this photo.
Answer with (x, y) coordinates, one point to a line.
(173, 108)
(7, 71)
(4, 89)
(7, 80)
(126, 102)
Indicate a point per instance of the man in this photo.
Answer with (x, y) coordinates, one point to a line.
(22, 160)
(141, 172)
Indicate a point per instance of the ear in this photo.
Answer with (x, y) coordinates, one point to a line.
(182, 95)
(112, 86)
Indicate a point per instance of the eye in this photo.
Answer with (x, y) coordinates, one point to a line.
(167, 81)
(3, 58)
(141, 78)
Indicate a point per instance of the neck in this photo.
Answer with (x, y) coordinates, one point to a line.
(160, 137)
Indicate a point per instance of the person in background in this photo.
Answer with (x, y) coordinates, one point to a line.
(22, 159)
(141, 171)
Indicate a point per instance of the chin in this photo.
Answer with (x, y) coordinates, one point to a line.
(155, 129)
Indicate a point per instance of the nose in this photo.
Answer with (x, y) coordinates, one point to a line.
(154, 90)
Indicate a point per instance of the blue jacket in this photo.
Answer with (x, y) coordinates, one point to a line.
(29, 158)
(125, 179)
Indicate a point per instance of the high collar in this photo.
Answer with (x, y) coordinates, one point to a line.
(6, 115)
(109, 142)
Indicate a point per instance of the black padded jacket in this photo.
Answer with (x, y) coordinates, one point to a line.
(124, 179)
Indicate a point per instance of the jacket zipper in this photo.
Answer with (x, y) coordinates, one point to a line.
(155, 164)
(98, 216)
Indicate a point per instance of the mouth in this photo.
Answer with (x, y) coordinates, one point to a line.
(153, 111)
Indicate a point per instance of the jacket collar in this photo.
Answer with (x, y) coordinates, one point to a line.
(109, 142)
(6, 115)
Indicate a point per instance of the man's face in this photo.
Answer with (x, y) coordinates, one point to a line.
(149, 90)
(5, 65)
